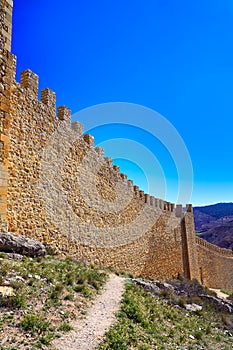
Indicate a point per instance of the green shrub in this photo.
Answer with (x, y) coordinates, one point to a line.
(34, 323)
(46, 340)
(69, 297)
(82, 288)
(198, 334)
(181, 302)
(65, 327)
(18, 301)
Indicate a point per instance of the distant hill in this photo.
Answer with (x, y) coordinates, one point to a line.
(215, 223)
(217, 210)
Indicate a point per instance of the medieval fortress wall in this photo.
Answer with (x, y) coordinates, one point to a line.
(55, 186)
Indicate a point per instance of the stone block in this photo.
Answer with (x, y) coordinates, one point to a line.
(77, 127)
(123, 176)
(29, 80)
(189, 208)
(89, 139)
(64, 114)
(108, 161)
(48, 97)
(99, 151)
(116, 168)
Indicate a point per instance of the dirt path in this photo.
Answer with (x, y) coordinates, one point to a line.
(88, 332)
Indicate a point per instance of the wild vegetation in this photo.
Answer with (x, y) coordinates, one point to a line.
(47, 295)
(147, 322)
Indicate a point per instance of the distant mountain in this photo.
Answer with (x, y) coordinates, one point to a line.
(215, 223)
(217, 210)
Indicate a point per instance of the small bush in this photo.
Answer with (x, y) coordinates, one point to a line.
(68, 297)
(65, 327)
(181, 302)
(4, 268)
(198, 335)
(131, 309)
(58, 288)
(82, 288)
(18, 301)
(46, 340)
(17, 284)
(69, 281)
(79, 288)
(34, 324)
(208, 329)
(196, 300)
(86, 292)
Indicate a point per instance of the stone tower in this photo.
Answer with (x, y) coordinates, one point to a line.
(7, 74)
(6, 24)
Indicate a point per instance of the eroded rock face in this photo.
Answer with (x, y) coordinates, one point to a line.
(22, 245)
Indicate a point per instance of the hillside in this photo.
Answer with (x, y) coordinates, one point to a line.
(42, 299)
(215, 223)
(218, 210)
(157, 315)
(210, 216)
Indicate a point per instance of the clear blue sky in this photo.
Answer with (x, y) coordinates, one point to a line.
(175, 57)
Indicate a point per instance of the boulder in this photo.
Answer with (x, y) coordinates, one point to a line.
(193, 307)
(10, 243)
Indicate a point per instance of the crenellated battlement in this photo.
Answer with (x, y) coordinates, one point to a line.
(214, 248)
(77, 127)
(124, 176)
(108, 161)
(89, 139)
(30, 81)
(64, 114)
(99, 151)
(116, 168)
(48, 97)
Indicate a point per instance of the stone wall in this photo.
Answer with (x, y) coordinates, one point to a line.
(58, 188)
(62, 191)
(215, 265)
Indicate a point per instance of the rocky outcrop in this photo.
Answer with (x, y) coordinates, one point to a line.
(218, 304)
(188, 291)
(22, 245)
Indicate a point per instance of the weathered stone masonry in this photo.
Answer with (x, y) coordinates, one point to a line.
(55, 186)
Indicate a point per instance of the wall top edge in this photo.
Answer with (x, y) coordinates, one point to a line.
(10, 2)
